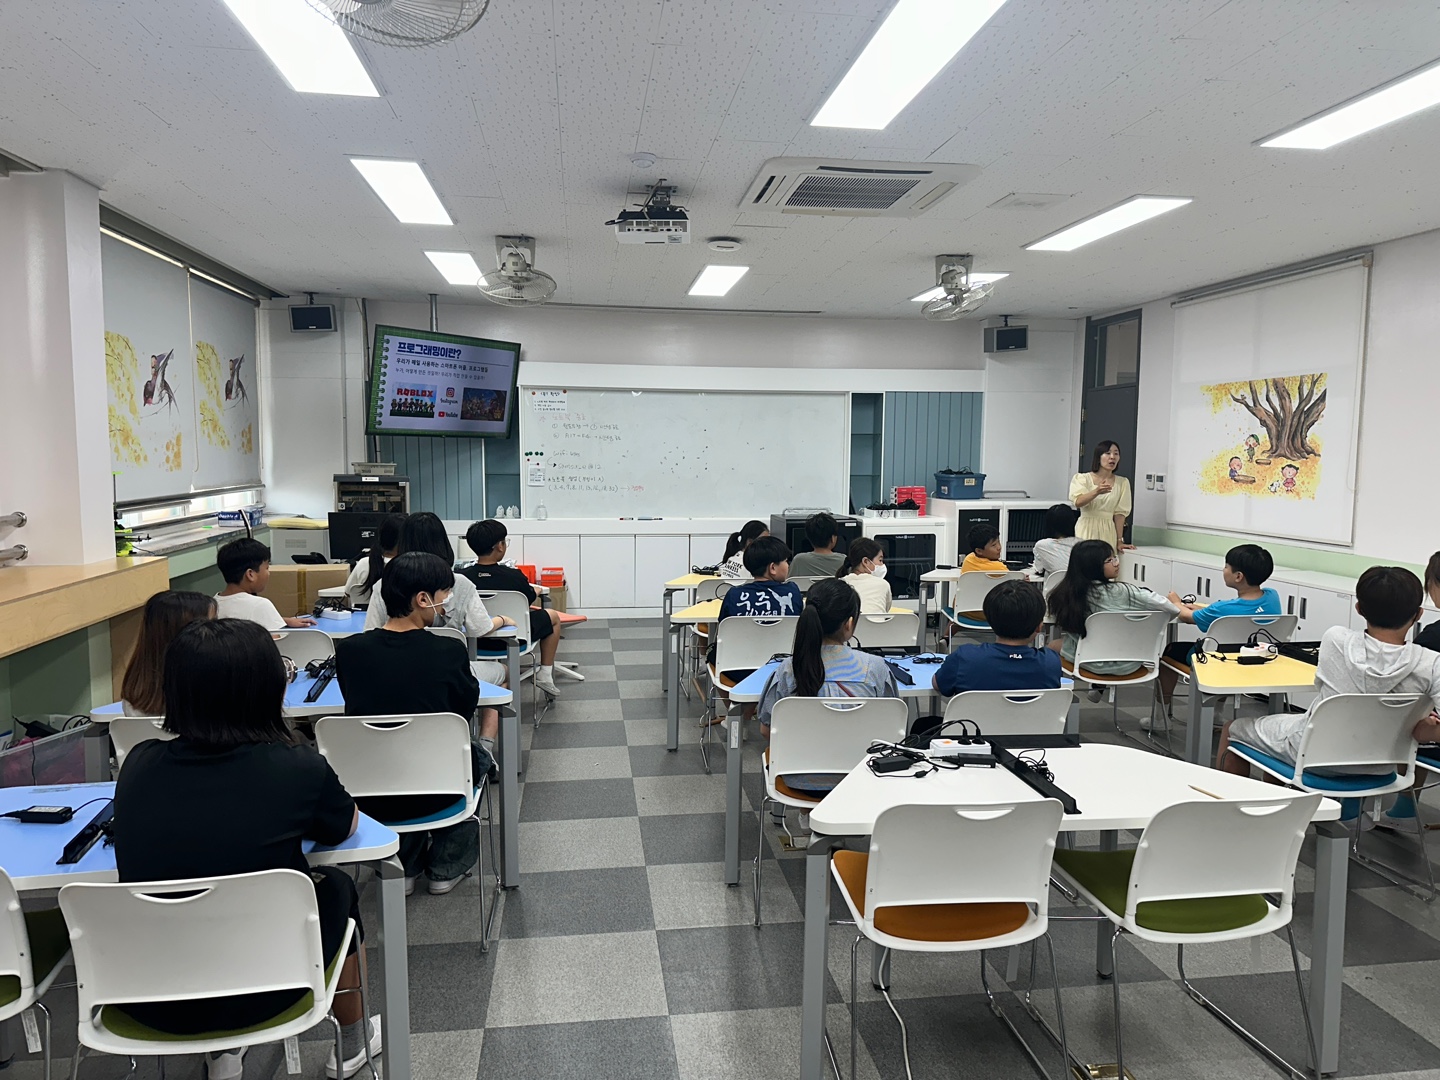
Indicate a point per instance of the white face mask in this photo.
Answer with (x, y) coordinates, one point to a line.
(878, 571)
(440, 609)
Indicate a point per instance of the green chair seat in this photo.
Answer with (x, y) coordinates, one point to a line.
(1106, 876)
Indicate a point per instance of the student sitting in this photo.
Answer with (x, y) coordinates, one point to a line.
(425, 532)
(489, 574)
(400, 668)
(732, 563)
(1052, 554)
(1376, 660)
(767, 560)
(1247, 568)
(234, 793)
(822, 560)
(864, 571)
(1090, 586)
(166, 613)
(1015, 610)
(984, 551)
(245, 566)
(1429, 637)
(366, 574)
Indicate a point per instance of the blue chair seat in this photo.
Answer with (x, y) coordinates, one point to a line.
(1428, 758)
(439, 815)
(1339, 784)
(961, 619)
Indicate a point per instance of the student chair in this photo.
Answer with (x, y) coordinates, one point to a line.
(128, 732)
(303, 646)
(415, 754)
(967, 600)
(898, 630)
(34, 946)
(1345, 735)
(1136, 637)
(450, 632)
(1204, 871)
(1013, 712)
(1237, 630)
(699, 638)
(828, 736)
(990, 890)
(514, 606)
(804, 583)
(199, 938)
(742, 643)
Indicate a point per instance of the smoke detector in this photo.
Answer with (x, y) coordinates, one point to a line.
(643, 161)
(723, 243)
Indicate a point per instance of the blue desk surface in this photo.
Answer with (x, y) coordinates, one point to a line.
(752, 687)
(28, 852)
(354, 623)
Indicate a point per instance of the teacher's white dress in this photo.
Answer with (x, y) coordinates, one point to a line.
(1097, 517)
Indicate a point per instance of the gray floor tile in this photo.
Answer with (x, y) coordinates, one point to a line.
(658, 761)
(650, 687)
(589, 690)
(684, 838)
(1405, 991)
(679, 794)
(647, 732)
(653, 708)
(638, 1049)
(635, 672)
(559, 980)
(1372, 934)
(720, 968)
(754, 1044)
(579, 799)
(693, 894)
(605, 901)
(626, 656)
(446, 1055)
(449, 986)
(566, 736)
(579, 763)
(581, 845)
(568, 710)
(596, 667)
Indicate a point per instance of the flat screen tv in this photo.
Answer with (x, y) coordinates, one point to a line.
(428, 383)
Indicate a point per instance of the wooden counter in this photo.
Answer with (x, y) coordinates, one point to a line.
(42, 603)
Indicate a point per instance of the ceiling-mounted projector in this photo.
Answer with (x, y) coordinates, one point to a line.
(655, 222)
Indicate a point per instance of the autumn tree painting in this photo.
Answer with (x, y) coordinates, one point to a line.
(1287, 408)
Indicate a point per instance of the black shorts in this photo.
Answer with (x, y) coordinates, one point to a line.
(1180, 651)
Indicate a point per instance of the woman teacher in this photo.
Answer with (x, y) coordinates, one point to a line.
(1102, 497)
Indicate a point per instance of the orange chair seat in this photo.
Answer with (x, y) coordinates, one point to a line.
(929, 922)
(1096, 676)
(785, 789)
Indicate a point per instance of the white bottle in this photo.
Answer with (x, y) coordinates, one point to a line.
(541, 514)
(514, 511)
(500, 510)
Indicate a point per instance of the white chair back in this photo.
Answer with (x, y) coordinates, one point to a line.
(1346, 730)
(1049, 583)
(899, 629)
(968, 591)
(416, 754)
(198, 938)
(128, 732)
(1123, 637)
(1221, 847)
(1238, 629)
(302, 646)
(1013, 712)
(804, 583)
(746, 642)
(15, 957)
(713, 589)
(450, 632)
(830, 735)
(993, 853)
(513, 606)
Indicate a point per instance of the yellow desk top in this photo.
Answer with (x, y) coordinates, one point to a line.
(709, 611)
(689, 581)
(1280, 676)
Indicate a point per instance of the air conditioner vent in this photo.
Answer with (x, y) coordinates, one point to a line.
(853, 188)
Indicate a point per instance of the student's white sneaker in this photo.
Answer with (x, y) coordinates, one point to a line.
(356, 1062)
(226, 1065)
(440, 888)
(546, 682)
(1095, 693)
(410, 885)
(1148, 723)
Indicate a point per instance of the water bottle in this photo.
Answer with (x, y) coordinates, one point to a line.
(514, 511)
(541, 514)
(500, 510)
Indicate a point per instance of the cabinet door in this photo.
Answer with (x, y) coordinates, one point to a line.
(1155, 574)
(562, 551)
(607, 566)
(1132, 567)
(1319, 610)
(705, 550)
(657, 560)
(1204, 581)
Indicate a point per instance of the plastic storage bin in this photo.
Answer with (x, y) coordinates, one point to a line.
(960, 485)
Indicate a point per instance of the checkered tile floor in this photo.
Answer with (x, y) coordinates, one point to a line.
(622, 955)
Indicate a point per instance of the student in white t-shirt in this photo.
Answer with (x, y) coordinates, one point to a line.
(245, 566)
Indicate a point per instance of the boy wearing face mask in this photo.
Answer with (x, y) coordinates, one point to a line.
(399, 669)
(864, 571)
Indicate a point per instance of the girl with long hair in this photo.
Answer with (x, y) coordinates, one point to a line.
(142, 693)
(732, 563)
(864, 571)
(365, 577)
(1089, 586)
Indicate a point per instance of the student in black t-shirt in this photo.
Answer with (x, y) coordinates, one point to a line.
(401, 668)
(234, 793)
(487, 541)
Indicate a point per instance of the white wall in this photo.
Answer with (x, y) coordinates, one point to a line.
(1396, 515)
(1031, 429)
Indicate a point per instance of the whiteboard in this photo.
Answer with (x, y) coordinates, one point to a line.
(1265, 408)
(671, 453)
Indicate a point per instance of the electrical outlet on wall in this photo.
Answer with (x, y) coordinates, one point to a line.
(1149, 481)
(1159, 481)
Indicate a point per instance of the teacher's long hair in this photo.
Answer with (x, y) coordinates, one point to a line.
(1070, 602)
(829, 605)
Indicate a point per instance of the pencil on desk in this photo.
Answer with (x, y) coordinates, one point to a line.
(1202, 791)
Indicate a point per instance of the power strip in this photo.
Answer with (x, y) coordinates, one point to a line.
(1257, 654)
(959, 748)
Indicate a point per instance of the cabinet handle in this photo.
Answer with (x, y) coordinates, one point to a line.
(1290, 605)
(1207, 588)
(1302, 606)
(1198, 588)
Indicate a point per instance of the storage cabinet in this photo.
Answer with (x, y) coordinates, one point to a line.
(1145, 570)
(657, 560)
(607, 572)
(564, 551)
(705, 550)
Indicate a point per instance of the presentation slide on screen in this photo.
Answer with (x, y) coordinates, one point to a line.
(441, 384)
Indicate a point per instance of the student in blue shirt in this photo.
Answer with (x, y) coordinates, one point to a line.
(1247, 568)
(1015, 610)
(770, 593)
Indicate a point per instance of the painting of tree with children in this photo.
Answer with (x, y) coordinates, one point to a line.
(1267, 437)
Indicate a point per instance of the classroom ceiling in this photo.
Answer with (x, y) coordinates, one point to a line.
(526, 125)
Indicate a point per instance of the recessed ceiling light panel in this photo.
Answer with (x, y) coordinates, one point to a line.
(1395, 100)
(717, 280)
(457, 267)
(1130, 212)
(405, 189)
(312, 53)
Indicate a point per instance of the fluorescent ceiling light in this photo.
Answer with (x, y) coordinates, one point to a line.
(1130, 212)
(1372, 109)
(405, 189)
(457, 267)
(717, 280)
(312, 53)
(977, 278)
(916, 40)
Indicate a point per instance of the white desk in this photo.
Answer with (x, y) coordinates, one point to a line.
(1114, 787)
(29, 853)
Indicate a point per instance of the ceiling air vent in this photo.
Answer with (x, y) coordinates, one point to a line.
(853, 188)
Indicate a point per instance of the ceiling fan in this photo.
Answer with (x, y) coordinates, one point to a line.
(404, 22)
(952, 274)
(515, 282)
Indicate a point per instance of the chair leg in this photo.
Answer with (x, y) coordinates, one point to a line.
(45, 1037)
(1059, 1008)
(1115, 990)
(365, 1015)
(1005, 1019)
(904, 1035)
(480, 875)
(759, 854)
(854, 993)
(75, 1061)
(340, 1044)
(1422, 889)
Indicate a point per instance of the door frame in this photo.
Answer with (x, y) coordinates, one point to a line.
(1093, 330)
